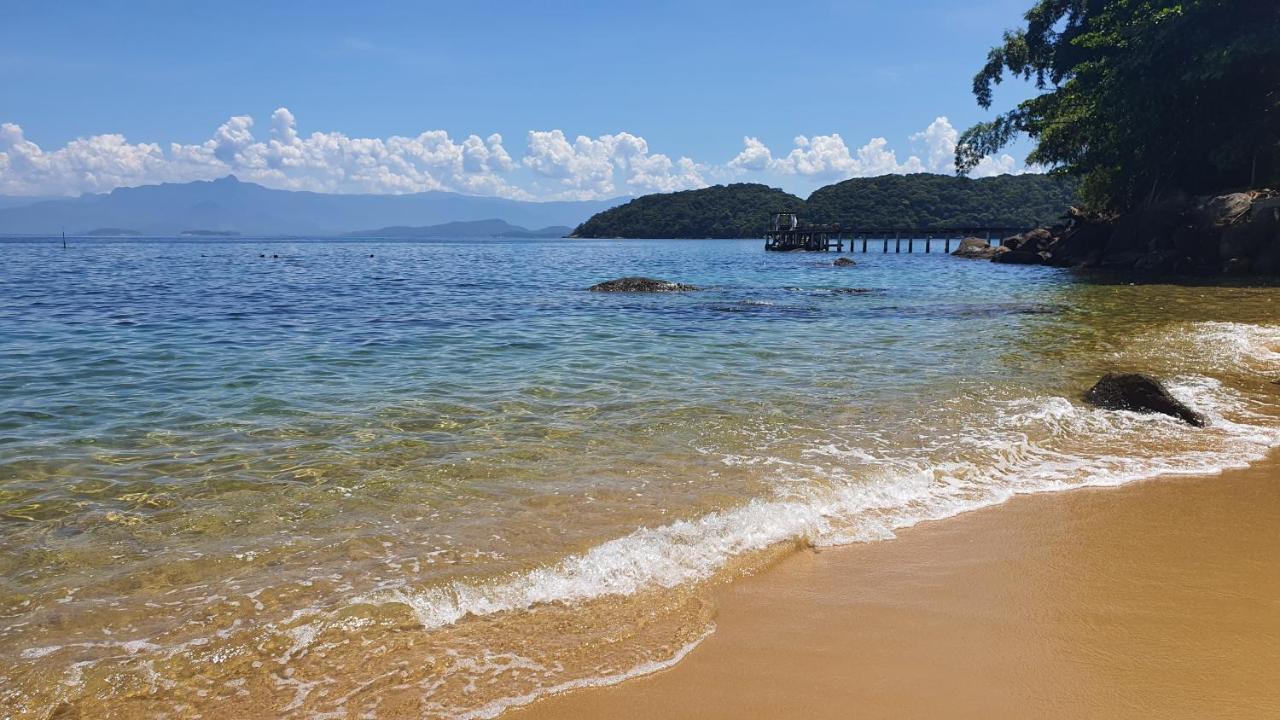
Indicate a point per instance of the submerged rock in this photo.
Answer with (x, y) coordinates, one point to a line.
(844, 262)
(1140, 393)
(976, 248)
(640, 284)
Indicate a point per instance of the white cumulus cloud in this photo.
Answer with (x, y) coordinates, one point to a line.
(939, 141)
(829, 158)
(279, 155)
(824, 157)
(323, 162)
(606, 166)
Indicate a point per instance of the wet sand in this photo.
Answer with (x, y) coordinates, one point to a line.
(1157, 599)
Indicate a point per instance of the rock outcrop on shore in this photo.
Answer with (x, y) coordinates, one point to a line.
(641, 285)
(1140, 393)
(1232, 234)
(976, 248)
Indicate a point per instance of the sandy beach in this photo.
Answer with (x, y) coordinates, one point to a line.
(1159, 599)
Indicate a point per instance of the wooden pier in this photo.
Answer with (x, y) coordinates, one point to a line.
(787, 233)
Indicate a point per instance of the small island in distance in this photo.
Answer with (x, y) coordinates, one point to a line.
(112, 232)
(209, 233)
(470, 229)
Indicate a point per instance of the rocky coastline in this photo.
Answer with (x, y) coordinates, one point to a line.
(1234, 234)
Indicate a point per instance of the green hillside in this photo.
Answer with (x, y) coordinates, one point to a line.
(903, 201)
(934, 201)
(721, 211)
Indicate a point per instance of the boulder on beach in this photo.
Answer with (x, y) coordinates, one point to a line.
(640, 285)
(844, 262)
(976, 248)
(1140, 393)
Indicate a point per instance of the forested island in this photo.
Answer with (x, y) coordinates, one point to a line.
(722, 211)
(920, 201)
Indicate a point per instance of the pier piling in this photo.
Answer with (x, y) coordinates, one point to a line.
(788, 233)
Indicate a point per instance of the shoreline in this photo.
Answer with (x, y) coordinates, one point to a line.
(1157, 598)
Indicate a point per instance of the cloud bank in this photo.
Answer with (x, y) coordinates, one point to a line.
(551, 167)
(829, 159)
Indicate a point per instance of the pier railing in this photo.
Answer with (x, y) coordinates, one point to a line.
(825, 238)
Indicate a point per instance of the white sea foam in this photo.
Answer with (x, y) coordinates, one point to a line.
(838, 493)
(1038, 444)
(498, 707)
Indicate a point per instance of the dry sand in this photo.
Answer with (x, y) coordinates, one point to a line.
(1155, 600)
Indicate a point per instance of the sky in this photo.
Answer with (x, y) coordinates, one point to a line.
(535, 101)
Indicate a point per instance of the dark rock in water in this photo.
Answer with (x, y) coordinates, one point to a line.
(1140, 393)
(976, 248)
(1020, 257)
(1029, 248)
(843, 262)
(852, 291)
(1034, 241)
(640, 284)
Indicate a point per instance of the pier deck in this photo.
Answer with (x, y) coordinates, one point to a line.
(825, 238)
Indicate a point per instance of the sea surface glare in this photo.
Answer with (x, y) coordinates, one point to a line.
(439, 479)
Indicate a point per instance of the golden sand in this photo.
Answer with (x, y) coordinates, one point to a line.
(1155, 600)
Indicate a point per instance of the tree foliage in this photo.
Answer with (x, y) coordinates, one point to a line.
(920, 201)
(925, 201)
(1141, 98)
(722, 211)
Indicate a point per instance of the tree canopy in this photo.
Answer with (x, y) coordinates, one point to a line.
(721, 211)
(924, 201)
(920, 201)
(1141, 98)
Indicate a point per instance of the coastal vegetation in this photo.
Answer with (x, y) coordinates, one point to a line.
(721, 211)
(1169, 115)
(1142, 99)
(934, 201)
(918, 201)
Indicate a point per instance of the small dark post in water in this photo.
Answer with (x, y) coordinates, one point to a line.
(886, 244)
(910, 244)
(897, 242)
(947, 246)
(864, 244)
(64, 238)
(928, 242)
(988, 238)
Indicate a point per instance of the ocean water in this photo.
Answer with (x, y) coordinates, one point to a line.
(438, 479)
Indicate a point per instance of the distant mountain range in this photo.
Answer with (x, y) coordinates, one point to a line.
(8, 201)
(472, 228)
(230, 206)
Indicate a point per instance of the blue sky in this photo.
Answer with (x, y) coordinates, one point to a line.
(687, 80)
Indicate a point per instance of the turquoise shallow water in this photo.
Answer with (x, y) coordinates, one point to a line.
(271, 472)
